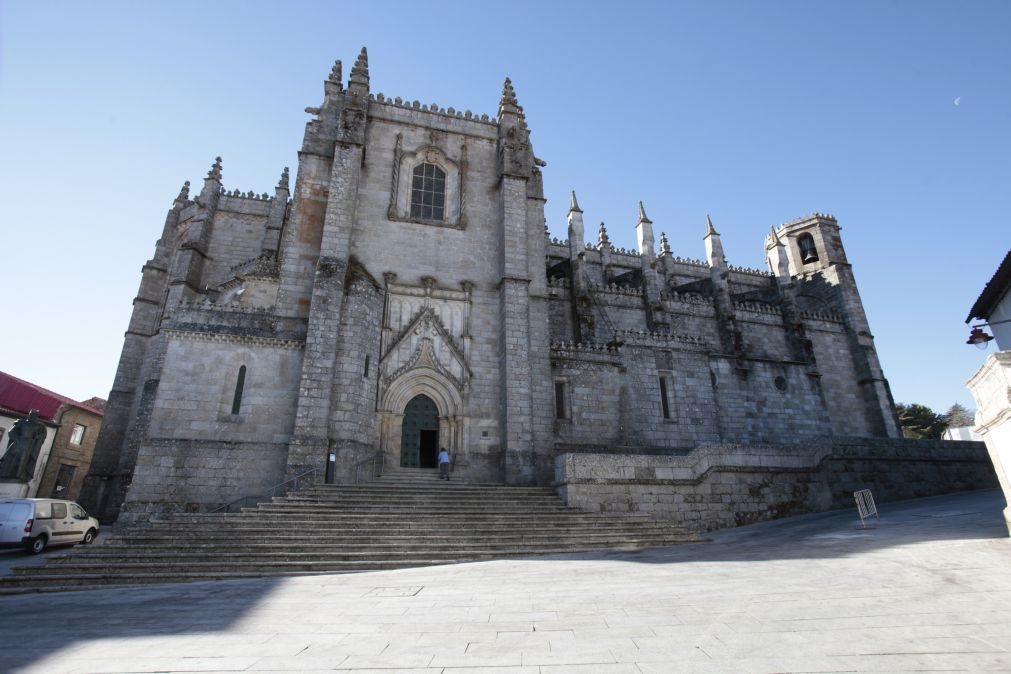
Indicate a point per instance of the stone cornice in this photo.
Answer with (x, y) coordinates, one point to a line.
(219, 338)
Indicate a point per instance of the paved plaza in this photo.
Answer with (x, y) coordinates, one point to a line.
(926, 588)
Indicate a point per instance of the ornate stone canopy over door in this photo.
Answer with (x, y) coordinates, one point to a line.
(419, 445)
(424, 366)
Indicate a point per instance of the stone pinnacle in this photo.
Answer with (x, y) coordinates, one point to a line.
(360, 71)
(710, 230)
(574, 205)
(642, 214)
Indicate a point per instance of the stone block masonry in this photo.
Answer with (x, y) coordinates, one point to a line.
(718, 486)
(403, 295)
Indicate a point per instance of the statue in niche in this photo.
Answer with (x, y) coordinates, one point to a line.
(23, 444)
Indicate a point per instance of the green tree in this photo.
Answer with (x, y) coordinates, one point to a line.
(919, 421)
(958, 416)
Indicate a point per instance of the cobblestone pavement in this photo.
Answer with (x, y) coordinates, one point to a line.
(926, 588)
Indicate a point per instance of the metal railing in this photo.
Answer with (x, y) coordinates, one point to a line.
(273, 492)
(377, 461)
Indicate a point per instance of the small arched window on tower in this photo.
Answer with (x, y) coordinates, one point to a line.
(239, 383)
(808, 251)
(428, 192)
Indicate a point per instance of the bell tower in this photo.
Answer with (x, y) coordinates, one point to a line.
(817, 261)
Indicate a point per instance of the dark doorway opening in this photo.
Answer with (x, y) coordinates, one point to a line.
(429, 449)
(419, 439)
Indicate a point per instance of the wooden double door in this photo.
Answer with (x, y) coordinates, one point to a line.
(419, 442)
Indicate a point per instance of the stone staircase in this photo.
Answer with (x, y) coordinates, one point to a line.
(407, 518)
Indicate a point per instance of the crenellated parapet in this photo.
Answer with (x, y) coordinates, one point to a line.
(262, 266)
(687, 298)
(246, 195)
(615, 289)
(748, 271)
(189, 309)
(560, 347)
(432, 108)
(576, 358)
(824, 316)
(663, 340)
(626, 252)
(689, 262)
(809, 217)
(559, 283)
(758, 308)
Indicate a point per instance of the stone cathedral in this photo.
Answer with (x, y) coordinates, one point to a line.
(403, 295)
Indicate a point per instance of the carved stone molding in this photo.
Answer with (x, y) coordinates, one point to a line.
(403, 165)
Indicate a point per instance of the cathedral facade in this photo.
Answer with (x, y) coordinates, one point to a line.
(403, 295)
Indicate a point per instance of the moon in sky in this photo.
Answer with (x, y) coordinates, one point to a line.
(958, 99)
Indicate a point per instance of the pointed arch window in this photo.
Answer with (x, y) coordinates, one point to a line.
(240, 382)
(428, 192)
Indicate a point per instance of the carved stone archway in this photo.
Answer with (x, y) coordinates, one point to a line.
(435, 385)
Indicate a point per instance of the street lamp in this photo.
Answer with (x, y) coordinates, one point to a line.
(978, 337)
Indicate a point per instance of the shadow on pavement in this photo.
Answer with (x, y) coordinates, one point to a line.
(952, 517)
(33, 629)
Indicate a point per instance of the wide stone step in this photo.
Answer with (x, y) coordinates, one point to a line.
(124, 578)
(115, 550)
(286, 521)
(299, 562)
(411, 499)
(334, 529)
(228, 555)
(408, 520)
(432, 530)
(381, 511)
(344, 529)
(446, 488)
(116, 547)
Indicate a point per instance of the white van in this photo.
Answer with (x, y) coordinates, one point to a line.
(34, 523)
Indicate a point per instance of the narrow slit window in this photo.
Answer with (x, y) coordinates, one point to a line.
(560, 411)
(240, 382)
(664, 401)
(366, 373)
(428, 192)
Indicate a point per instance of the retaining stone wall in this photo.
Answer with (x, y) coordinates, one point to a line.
(176, 476)
(729, 485)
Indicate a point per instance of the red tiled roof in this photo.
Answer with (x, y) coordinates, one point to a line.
(21, 396)
(96, 403)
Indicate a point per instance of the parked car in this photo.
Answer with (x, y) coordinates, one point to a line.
(36, 523)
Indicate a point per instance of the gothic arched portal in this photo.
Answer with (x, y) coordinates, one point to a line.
(419, 443)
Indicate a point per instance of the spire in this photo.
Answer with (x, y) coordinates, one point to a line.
(336, 73)
(184, 193)
(664, 244)
(508, 104)
(773, 240)
(710, 230)
(215, 172)
(360, 71)
(714, 247)
(208, 197)
(282, 184)
(602, 236)
(776, 257)
(574, 205)
(642, 214)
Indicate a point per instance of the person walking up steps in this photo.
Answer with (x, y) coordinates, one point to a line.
(443, 464)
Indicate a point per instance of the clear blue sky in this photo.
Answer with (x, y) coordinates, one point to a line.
(893, 116)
